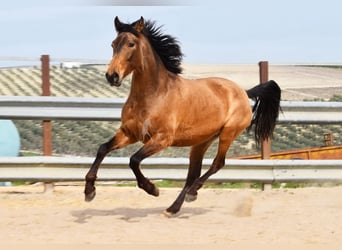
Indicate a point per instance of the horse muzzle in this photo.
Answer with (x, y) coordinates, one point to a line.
(113, 79)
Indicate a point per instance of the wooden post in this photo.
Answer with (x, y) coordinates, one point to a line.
(265, 144)
(47, 126)
(328, 139)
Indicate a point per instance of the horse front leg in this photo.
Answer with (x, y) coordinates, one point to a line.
(154, 145)
(120, 140)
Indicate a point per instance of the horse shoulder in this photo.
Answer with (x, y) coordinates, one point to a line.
(142, 122)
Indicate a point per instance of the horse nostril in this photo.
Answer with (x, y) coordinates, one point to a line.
(115, 76)
(113, 79)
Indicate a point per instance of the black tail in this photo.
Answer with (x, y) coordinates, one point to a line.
(266, 108)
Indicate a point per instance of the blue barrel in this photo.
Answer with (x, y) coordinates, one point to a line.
(9, 139)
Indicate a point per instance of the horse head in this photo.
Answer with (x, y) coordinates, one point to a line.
(127, 47)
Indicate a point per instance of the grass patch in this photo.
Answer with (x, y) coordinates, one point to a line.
(209, 184)
(336, 98)
(19, 183)
(29, 153)
(180, 184)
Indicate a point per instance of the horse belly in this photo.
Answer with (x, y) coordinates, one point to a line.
(194, 135)
(199, 122)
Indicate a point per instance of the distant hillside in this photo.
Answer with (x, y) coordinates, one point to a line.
(82, 138)
(85, 81)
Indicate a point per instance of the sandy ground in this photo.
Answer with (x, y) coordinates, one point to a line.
(126, 215)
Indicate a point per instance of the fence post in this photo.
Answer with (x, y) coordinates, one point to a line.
(265, 144)
(47, 126)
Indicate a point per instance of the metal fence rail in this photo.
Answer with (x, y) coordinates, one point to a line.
(53, 169)
(50, 169)
(60, 108)
(79, 108)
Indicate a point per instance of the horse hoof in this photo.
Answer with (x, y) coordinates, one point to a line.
(190, 197)
(149, 188)
(168, 214)
(155, 191)
(89, 197)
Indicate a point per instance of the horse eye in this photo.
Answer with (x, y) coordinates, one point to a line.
(131, 44)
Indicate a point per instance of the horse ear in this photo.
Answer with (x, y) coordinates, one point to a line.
(117, 24)
(139, 25)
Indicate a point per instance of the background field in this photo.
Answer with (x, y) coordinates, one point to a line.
(82, 138)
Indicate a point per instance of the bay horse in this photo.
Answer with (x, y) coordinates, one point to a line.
(164, 109)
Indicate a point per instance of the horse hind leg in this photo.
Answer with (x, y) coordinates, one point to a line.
(226, 138)
(196, 156)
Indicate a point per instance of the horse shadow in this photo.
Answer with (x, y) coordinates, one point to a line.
(132, 215)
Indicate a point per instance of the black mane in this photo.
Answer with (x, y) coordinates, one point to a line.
(166, 46)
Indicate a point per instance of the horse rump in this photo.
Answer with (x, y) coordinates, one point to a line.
(265, 110)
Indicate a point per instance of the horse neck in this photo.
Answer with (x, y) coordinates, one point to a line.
(151, 79)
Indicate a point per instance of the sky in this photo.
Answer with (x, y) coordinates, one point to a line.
(210, 32)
